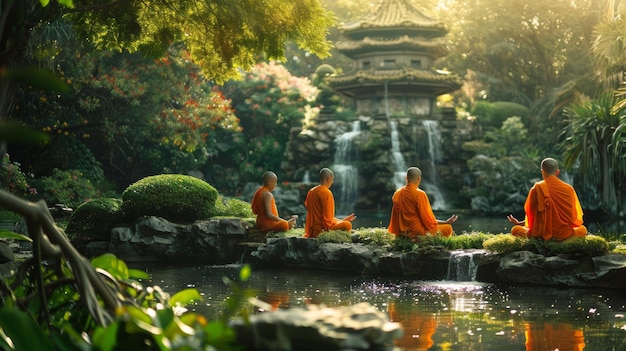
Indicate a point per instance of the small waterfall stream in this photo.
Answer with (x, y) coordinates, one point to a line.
(346, 174)
(435, 154)
(463, 265)
(399, 176)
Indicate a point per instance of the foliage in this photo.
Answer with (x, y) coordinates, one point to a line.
(94, 219)
(68, 187)
(267, 100)
(375, 236)
(175, 197)
(493, 114)
(334, 236)
(594, 150)
(403, 244)
(222, 36)
(232, 207)
(154, 319)
(128, 114)
(500, 185)
(12, 178)
(521, 50)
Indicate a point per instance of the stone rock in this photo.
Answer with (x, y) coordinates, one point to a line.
(214, 241)
(316, 327)
(437, 263)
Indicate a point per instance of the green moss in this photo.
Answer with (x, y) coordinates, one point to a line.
(335, 236)
(231, 207)
(178, 198)
(504, 243)
(93, 220)
(375, 236)
(589, 246)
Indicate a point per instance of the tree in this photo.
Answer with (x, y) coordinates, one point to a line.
(522, 49)
(222, 35)
(594, 149)
(268, 101)
(131, 115)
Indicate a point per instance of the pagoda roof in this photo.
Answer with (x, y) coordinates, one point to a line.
(436, 47)
(440, 83)
(394, 15)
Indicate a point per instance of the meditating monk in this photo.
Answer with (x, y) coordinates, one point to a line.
(320, 205)
(552, 208)
(411, 214)
(264, 207)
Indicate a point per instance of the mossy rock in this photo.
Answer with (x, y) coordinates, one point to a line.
(93, 220)
(175, 197)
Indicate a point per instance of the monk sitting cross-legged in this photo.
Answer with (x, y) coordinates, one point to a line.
(552, 208)
(264, 207)
(411, 214)
(320, 205)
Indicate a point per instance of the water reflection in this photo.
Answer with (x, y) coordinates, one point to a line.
(436, 315)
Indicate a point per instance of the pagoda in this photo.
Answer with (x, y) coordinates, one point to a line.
(395, 47)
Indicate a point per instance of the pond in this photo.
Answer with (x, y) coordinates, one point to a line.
(436, 315)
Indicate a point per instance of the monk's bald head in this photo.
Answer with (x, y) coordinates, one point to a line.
(550, 166)
(326, 174)
(413, 174)
(268, 177)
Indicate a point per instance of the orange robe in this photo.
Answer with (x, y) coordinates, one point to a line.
(263, 222)
(552, 212)
(412, 214)
(320, 206)
(560, 336)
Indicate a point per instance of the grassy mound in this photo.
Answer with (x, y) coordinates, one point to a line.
(93, 220)
(175, 197)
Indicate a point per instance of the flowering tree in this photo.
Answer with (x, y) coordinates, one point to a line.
(136, 116)
(268, 101)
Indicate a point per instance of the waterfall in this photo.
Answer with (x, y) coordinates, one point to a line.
(346, 174)
(306, 178)
(399, 175)
(435, 154)
(463, 264)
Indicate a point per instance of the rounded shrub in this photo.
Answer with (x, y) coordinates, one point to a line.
(94, 219)
(175, 197)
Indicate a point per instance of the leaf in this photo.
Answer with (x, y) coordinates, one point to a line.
(105, 339)
(245, 272)
(24, 333)
(111, 264)
(38, 78)
(13, 235)
(138, 274)
(11, 132)
(185, 297)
